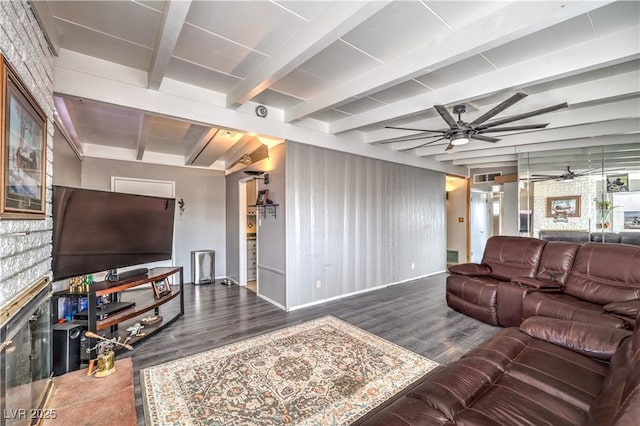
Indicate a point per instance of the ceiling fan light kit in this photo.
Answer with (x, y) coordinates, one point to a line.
(461, 133)
(457, 140)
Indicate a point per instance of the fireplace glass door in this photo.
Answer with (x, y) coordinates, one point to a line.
(26, 363)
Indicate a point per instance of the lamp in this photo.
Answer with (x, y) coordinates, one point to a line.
(459, 139)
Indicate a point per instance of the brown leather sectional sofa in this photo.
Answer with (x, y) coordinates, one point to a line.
(521, 277)
(572, 361)
(547, 372)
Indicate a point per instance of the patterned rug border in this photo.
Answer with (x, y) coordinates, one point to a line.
(287, 330)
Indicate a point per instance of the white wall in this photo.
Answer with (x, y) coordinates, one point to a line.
(200, 227)
(25, 245)
(510, 213)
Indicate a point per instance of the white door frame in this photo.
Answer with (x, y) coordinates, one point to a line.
(242, 230)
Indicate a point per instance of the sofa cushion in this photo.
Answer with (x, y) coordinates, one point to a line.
(592, 340)
(556, 261)
(473, 296)
(628, 308)
(471, 269)
(572, 236)
(513, 402)
(513, 256)
(619, 400)
(564, 306)
(605, 273)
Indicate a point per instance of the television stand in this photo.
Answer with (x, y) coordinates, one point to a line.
(146, 303)
(113, 276)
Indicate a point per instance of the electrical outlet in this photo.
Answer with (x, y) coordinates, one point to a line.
(318, 284)
(413, 266)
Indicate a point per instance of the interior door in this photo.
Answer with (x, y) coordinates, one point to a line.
(480, 224)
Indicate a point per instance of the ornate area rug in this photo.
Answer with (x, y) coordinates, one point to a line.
(321, 372)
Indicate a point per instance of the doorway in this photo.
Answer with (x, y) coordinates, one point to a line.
(248, 235)
(457, 206)
(481, 222)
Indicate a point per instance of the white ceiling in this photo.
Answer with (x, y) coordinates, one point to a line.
(155, 80)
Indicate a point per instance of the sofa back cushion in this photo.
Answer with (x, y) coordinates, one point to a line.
(557, 260)
(604, 273)
(511, 257)
(619, 401)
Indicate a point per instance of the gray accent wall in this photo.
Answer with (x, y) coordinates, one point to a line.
(66, 164)
(356, 223)
(200, 227)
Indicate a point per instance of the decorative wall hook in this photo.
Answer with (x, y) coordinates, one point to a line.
(181, 206)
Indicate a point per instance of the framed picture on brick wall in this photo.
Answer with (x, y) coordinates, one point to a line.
(23, 134)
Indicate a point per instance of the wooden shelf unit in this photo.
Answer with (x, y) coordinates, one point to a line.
(102, 288)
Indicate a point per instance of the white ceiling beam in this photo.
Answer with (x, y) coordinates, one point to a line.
(318, 34)
(216, 147)
(564, 141)
(588, 101)
(200, 144)
(497, 165)
(603, 51)
(86, 77)
(143, 129)
(507, 24)
(493, 159)
(173, 18)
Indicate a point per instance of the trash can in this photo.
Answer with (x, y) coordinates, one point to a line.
(203, 267)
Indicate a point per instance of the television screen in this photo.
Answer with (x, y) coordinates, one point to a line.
(95, 231)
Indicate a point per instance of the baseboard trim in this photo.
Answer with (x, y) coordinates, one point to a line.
(366, 290)
(273, 302)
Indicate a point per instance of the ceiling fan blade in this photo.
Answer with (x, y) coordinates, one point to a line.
(523, 116)
(419, 146)
(484, 138)
(410, 139)
(515, 128)
(446, 116)
(449, 147)
(415, 130)
(498, 109)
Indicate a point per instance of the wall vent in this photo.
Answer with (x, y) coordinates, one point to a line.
(486, 177)
(452, 256)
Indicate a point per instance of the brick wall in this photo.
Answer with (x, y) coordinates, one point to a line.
(25, 245)
(582, 186)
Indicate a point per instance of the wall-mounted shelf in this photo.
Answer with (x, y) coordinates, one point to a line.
(263, 209)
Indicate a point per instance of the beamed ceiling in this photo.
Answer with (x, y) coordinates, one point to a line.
(178, 82)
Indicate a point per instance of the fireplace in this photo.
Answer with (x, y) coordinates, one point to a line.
(25, 355)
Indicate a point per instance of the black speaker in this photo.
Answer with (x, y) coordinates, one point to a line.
(66, 347)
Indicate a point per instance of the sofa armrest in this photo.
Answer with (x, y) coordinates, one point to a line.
(595, 341)
(628, 308)
(537, 283)
(471, 269)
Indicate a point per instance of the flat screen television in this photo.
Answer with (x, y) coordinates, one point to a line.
(95, 231)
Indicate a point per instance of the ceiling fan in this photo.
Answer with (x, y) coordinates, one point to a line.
(569, 176)
(460, 132)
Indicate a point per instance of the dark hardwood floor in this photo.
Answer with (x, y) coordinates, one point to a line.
(413, 315)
